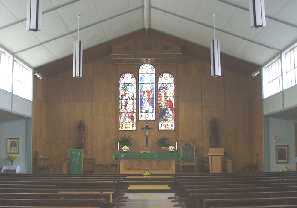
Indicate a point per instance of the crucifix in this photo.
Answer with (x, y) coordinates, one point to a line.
(146, 129)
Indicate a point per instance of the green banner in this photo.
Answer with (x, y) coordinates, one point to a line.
(76, 158)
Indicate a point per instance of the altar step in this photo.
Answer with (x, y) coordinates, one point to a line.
(150, 200)
(149, 183)
(150, 179)
(149, 188)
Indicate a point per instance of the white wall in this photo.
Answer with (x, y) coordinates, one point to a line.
(278, 132)
(21, 129)
(281, 101)
(15, 104)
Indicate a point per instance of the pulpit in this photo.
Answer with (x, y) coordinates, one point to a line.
(216, 158)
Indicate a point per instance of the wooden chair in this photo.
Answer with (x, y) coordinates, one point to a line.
(188, 152)
(40, 164)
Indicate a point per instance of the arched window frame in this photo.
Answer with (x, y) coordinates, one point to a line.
(147, 80)
(166, 104)
(131, 113)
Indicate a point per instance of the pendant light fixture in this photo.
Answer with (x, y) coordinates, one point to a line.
(257, 13)
(77, 54)
(34, 14)
(215, 54)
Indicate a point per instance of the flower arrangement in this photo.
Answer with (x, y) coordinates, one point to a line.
(147, 173)
(125, 141)
(125, 148)
(12, 158)
(171, 148)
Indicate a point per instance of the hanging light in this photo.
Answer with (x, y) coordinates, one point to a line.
(34, 14)
(257, 13)
(77, 55)
(215, 54)
(146, 13)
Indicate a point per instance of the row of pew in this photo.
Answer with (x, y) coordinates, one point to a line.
(226, 191)
(193, 191)
(61, 191)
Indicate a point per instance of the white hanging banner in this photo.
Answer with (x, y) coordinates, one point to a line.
(257, 13)
(34, 14)
(215, 57)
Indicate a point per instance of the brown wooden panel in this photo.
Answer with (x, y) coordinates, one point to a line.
(60, 102)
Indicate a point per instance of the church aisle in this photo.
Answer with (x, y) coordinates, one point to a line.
(149, 200)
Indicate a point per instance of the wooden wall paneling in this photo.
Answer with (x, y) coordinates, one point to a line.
(189, 83)
(256, 121)
(104, 107)
(61, 101)
(213, 102)
(232, 113)
(39, 133)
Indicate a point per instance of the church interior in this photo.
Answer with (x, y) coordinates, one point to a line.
(148, 103)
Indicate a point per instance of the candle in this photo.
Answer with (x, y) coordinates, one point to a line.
(176, 145)
(118, 146)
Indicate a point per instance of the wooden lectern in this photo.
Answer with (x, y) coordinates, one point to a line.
(216, 157)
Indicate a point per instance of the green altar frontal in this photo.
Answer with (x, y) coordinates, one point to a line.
(146, 156)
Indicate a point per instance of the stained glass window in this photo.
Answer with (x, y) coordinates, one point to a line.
(127, 102)
(166, 93)
(146, 92)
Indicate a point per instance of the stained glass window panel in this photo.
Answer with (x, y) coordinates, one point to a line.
(146, 92)
(127, 102)
(166, 96)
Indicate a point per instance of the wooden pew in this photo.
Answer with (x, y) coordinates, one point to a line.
(77, 191)
(216, 203)
(199, 189)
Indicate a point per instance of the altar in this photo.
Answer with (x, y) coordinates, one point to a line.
(154, 162)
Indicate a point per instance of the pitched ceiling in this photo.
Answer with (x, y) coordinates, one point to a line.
(103, 20)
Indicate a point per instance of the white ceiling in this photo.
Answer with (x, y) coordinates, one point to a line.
(103, 20)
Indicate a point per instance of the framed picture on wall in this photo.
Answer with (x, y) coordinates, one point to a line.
(282, 153)
(13, 146)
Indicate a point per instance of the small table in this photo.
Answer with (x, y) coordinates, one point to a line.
(11, 169)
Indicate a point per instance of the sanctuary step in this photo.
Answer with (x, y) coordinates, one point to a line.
(149, 200)
(155, 183)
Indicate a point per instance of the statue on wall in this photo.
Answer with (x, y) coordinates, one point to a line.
(214, 139)
(81, 134)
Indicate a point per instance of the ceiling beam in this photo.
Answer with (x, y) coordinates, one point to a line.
(218, 29)
(267, 16)
(44, 12)
(81, 29)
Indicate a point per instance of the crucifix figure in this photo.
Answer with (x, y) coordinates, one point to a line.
(146, 129)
